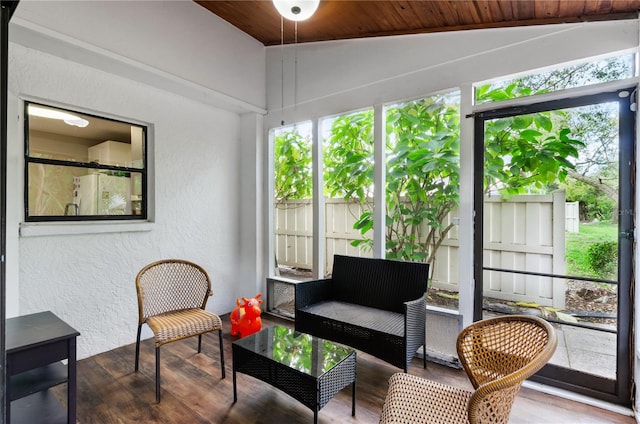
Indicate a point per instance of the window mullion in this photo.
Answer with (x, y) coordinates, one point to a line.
(318, 204)
(379, 182)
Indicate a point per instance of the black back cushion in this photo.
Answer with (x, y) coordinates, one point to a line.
(378, 283)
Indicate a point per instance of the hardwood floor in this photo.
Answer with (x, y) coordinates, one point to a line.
(109, 391)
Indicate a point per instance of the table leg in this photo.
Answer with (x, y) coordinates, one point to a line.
(235, 394)
(7, 391)
(71, 382)
(353, 399)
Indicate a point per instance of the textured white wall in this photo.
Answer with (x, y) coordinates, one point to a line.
(88, 280)
(84, 55)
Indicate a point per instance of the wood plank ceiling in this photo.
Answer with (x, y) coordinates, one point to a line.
(344, 19)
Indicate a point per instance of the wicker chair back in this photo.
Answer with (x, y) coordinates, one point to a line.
(498, 354)
(171, 285)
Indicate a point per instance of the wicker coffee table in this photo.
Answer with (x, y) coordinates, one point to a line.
(309, 369)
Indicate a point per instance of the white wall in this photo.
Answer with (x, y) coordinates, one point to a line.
(339, 76)
(132, 60)
(167, 39)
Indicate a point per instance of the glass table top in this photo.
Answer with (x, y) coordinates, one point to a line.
(302, 352)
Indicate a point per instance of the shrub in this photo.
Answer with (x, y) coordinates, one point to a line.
(603, 258)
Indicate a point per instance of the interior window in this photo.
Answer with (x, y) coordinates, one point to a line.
(82, 167)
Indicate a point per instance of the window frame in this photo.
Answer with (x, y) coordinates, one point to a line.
(505, 80)
(143, 171)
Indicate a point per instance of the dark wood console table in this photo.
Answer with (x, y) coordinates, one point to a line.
(36, 344)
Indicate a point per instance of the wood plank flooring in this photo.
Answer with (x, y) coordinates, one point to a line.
(109, 391)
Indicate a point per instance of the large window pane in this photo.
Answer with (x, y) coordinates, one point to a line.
(422, 192)
(293, 185)
(587, 73)
(348, 185)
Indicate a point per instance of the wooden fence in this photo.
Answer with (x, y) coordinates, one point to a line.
(523, 233)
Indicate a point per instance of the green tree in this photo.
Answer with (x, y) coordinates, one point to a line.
(522, 154)
(591, 72)
(348, 157)
(422, 185)
(293, 171)
(594, 205)
(526, 152)
(595, 125)
(423, 178)
(422, 173)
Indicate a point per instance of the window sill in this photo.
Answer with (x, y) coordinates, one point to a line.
(31, 229)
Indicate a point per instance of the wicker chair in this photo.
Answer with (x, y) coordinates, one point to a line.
(172, 295)
(498, 354)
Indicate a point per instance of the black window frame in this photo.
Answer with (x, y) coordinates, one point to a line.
(143, 171)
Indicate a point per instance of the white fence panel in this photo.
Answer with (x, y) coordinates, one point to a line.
(531, 238)
(340, 217)
(294, 233)
(522, 233)
(572, 216)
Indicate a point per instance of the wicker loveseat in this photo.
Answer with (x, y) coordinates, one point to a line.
(375, 305)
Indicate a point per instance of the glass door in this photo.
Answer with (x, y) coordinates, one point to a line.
(554, 207)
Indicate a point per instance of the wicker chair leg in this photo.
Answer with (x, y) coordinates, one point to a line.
(221, 353)
(158, 374)
(199, 343)
(138, 347)
(424, 350)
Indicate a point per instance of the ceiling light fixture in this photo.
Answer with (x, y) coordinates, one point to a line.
(68, 118)
(296, 10)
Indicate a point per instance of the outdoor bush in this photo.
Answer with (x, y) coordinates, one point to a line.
(603, 258)
(594, 204)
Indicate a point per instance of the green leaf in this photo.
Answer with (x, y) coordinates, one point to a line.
(544, 122)
(530, 135)
(566, 317)
(448, 296)
(552, 309)
(522, 122)
(528, 304)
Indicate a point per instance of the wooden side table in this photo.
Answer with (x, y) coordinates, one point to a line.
(36, 344)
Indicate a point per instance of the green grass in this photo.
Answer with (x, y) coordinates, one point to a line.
(577, 244)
